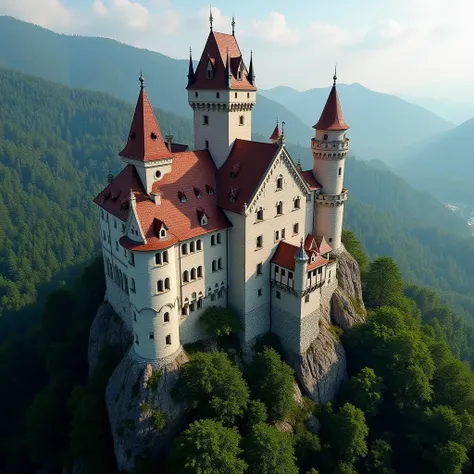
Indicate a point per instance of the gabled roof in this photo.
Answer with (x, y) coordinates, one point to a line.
(308, 176)
(331, 117)
(285, 253)
(145, 142)
(243, 171)
(217, 47)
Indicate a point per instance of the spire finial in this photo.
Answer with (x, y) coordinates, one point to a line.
(335, 75)
(211, 18)
(142, 80)
(233, 25)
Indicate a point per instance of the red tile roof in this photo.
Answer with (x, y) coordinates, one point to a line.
(189, 169)
(331, 117)
(243, 171)
(215, 51)
(276, 133)
(145, 142)
(310, 180)
(285, 253)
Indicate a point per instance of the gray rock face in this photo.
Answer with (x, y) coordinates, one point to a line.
(323, 368)
(142, 413)
(107, 328)
(347, 304)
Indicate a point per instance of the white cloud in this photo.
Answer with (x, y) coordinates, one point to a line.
(275, 29)
(47, 13)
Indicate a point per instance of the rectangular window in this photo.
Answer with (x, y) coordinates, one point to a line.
(151, 335)
(218, 238)
(296, 228)
(207, 144)
(283, 233)
(214, 265)
(283, 272)
(306, 299)
(278, 295)
(259, 269)
(168, 340)
(205, 119)
(166, 317)
(277, 269)
(259, 241)
(340, 172)
(184, 311)
(290, 274)
(277, 235)
(241, 120)
(259, 292)
(199, 304)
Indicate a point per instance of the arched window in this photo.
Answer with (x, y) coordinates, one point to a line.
(199, 272)
(166, 317)
(279, 183)
(279, 208)
(214, 265)
(184, 249)
(219, 264)
(218, 238)
(185, 276)
(159, 286)
(167, 283)
(199, 244)
(158, 260)
(213, 240)
(297, 203)
(192, 247)
(193, 273)
(164, 256)
(260, 214)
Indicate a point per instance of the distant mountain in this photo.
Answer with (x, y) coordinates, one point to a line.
(383, 126)
(456, 112)
(445, 166)
(109, 66)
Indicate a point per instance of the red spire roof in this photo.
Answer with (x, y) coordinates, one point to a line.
(276, 133)
(145, 142)
(215, 51)
(332, 118)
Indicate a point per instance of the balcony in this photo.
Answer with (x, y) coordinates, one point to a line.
(289, 289)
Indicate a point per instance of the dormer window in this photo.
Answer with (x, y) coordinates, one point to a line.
(163, 233)
(204, 220)
(181, 196)
(153, 136)
(197, 192)
(235, 170)
(202, 216)
(209, 190)
(233, 195)
(210, 70)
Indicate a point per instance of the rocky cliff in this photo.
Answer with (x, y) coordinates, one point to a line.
(323, 368)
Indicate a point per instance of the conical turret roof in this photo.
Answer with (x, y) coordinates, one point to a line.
(332, 118)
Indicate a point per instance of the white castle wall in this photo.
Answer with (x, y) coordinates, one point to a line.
(328, 222)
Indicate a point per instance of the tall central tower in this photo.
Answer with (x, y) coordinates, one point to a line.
(330, 146)
(221, 93)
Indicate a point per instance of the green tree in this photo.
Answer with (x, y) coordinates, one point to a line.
(269, 451)
(450, 458)
(354, 247)
(364, 390)
(220, 321)
(213, 385)
(207, 447)
(379, 459)
(384, 285)
(272, 382)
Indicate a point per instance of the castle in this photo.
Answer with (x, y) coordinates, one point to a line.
(235, 223)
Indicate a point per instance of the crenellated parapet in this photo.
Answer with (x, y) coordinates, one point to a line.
(222, 107)
(331, 199)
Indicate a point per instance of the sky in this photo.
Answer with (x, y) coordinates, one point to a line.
(414, 47)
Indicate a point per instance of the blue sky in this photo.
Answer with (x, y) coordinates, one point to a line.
(417, 47)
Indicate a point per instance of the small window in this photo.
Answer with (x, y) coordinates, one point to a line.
(235, 95)
(279, 183)
(158, 174)
(207, 144)
(219, 264)
(199, 271)
(277, 269)
(283, 272)
(277, 235)
(218, 238)
(241, 120)
(182, 196)
(168, 340)
(165, 256)
(193, 274)
(199, 304)
(290, 274)
(192, 247)
(210, 190)
(185, 276)
(330, 239)
(260, 215)
(151, 335)
(132, 285)
(308, 198)
(239, 74)
(296, 228)
(167, 283)
(192, 307)
(184, 249)
(105, 236)
(195, 94)
(159, 286)
(306, 299)
(283, 233)
(248, 95)
(259, 241)
(340, 172)
(214, 265)
(259, 292)
(166, 317)
(205, 119)
(219, 294)
(279, 208)
(325, 136)
(184, 310)
(278, 295)
(259, 269)
(162, 233)
(199, 244)
(297, 203)
(123, 228)
(213, 240)
(218, 94)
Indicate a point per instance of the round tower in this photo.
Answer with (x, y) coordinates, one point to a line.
(153, 301)
(301, 264)
(330, 146)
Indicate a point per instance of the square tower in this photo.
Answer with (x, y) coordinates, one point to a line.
(221, 93)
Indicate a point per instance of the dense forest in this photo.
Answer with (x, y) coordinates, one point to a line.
(407, 407)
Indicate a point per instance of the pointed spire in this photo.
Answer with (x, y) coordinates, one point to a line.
(190, 69)
(251, 74)
(145, 142)
(233, 25)
(228, 73)
(331, 117)
(211, 18)
(334, 78)
(301, 255)
(275, 136)
(142, 80)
